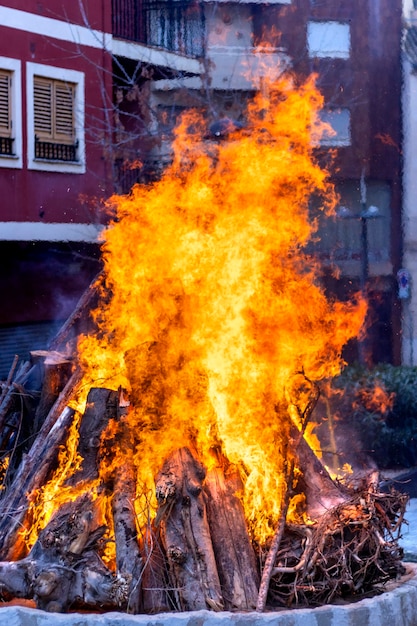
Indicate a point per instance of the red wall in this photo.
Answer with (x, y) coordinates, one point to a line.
(96, 12)
(29, 195)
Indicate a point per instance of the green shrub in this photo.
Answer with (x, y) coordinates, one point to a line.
(387, 430)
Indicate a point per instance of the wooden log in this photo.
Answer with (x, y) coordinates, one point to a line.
(12, 390)
(235, 557)
(186, 534)
(33, 473)
(321, 492)
(101, 406)
(56, 371)
(128, 557)
(34, 470)
(64, 569)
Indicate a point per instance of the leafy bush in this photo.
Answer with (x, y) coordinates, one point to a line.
(380, 405)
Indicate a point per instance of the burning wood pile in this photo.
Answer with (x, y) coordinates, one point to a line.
(167, 461)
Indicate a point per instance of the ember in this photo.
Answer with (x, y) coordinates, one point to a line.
(200, 376)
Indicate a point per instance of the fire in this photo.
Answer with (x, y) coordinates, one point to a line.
(212, 308)
(42, 503)
(376, 399)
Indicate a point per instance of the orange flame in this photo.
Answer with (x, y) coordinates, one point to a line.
(214, 303)
(376, 399)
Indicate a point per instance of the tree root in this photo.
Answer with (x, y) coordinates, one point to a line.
(349, 552)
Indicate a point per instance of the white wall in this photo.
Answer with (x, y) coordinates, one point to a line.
(409, 306)
(407, 8)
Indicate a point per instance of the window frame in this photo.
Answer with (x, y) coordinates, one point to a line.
(13, 66)
(72, 77)
(318, 40)
(54, 135)
(8, 91)
(338, 139)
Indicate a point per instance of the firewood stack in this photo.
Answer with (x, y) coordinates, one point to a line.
(196, 551)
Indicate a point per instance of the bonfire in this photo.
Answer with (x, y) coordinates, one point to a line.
(173, 463)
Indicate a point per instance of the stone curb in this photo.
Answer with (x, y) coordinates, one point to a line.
(397, 607)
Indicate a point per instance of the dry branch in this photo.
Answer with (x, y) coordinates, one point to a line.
(155, 587)
(11, 389)
(304, 407)
(351, 550)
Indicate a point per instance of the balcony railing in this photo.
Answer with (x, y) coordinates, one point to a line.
(6, 146)
(126, 175)
(175, 25)
(55, 151)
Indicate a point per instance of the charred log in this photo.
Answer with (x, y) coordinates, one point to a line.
(186, 534)
(234, 553)
(15, 405)
(64, 569)
(128, 557)
(321, 492)
(31, 476)
(101, 407)
(56, 371)
(34, 471)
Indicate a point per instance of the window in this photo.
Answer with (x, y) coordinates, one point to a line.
(328, 39)
(6, 140)
(55, 119)
(10, 114)
(175, 26)
(53, 103)
(339, 133)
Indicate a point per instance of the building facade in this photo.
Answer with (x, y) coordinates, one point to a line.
(90, 93)
(409, 291)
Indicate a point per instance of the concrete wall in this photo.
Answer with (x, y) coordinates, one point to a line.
(397, 607)
(409, 306)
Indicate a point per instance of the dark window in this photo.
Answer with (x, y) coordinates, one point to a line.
(175, 25)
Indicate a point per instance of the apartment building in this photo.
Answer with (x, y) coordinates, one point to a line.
(90, 92)
(355, 48)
